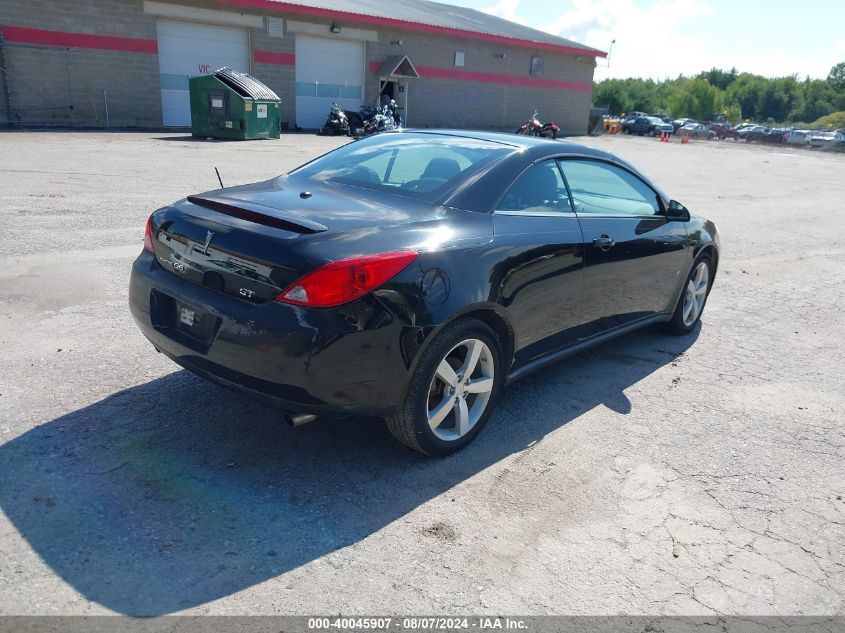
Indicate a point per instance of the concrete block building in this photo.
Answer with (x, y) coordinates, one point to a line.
(126, 63)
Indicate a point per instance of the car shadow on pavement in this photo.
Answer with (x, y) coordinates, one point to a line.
(174, 493)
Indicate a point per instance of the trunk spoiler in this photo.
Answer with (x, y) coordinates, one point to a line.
(258, 213)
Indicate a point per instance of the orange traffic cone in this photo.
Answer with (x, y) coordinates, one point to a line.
(664, 137)
(685, 139)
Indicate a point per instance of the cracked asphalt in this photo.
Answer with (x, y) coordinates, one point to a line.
(652, 475)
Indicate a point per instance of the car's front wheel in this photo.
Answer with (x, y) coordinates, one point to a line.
(693, 297)
(451, 393)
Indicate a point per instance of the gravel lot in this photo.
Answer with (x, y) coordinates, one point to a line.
(652, 475)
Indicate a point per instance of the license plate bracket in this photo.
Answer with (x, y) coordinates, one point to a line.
(187, 317)
(183, 322)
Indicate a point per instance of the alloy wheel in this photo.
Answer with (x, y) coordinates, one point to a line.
(460, 389)
(696, 293)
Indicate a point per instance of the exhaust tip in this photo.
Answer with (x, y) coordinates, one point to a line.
(299, 419)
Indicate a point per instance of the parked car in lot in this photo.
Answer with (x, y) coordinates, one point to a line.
(679, 123)
(649, 125)
(772, 136)
(697, 131)
(827, 140)
(629, 120)
(413, 274)
(662, 125)
(753, 133)
(777, 135)
(798, 137)
(724, 131)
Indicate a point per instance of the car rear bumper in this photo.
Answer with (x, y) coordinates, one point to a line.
(319, 361)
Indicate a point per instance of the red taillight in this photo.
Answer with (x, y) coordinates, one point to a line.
(148, 236)
(343, 281)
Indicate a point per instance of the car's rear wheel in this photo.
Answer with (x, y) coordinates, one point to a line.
(693, 297)
(451, 394)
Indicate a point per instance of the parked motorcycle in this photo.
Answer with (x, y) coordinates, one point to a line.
(384, 119)
(337, 123)
(533, 127)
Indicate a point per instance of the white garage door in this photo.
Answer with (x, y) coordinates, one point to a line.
(186, 49)
(327, 70)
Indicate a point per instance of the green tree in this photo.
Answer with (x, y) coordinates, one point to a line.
(695, 98)
(816, 98)
(626, 95)
(745, 92)
(777, 98)
(719, 78)
(739, 95)
(836, 78)
(610, 94)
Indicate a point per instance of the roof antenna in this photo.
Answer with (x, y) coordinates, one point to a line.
(219, 179)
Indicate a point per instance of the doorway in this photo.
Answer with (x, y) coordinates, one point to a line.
(389, 91)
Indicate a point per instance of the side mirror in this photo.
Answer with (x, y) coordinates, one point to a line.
(677, 212)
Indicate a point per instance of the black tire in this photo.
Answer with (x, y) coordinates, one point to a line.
(410, 424)
(355, 122)
(676, 325)
(554, 134)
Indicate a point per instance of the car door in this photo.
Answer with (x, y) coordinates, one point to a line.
(540, 281)
(639, 126)
(635, 258)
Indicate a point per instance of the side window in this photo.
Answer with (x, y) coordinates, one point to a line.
(540, 189)
(603, 189)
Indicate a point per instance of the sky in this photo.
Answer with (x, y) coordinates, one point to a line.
(664, 38)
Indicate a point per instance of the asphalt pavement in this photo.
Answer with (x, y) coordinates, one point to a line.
(652, 475)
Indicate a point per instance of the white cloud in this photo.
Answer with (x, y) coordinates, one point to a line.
(649, 41)
(662, 39)
(506, 9)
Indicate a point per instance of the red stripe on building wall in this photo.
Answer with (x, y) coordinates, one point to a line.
(268, 57)
(495, 78)
(22, 35)
(332, 14)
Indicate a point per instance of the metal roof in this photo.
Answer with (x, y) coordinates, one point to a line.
(426, 15)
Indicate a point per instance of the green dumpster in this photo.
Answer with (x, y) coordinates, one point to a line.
(233, 105)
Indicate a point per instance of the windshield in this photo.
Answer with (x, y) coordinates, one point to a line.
(420, 166)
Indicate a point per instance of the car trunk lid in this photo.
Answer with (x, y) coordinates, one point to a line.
(244, 241)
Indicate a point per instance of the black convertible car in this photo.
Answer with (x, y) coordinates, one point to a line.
(412, 275)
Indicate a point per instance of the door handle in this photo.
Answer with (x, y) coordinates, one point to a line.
(604, 242)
